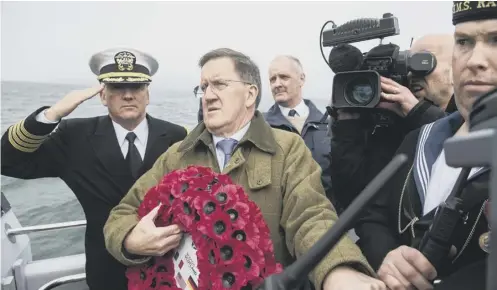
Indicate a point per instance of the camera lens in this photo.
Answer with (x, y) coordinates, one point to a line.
(359, 92)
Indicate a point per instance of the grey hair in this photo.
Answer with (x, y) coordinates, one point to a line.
(292, 58)
(296, 60)
(247, 70)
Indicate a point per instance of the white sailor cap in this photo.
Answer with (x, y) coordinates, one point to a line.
(123, 65)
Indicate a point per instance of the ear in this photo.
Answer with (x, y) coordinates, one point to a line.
(302, 79)
(103, 97)
(251, 97)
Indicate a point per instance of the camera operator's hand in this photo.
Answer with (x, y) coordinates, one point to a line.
(407, 268)
(399, 99)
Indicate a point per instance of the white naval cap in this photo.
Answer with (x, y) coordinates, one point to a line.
(123, 65)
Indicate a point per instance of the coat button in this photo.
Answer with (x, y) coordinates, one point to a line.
(237, 160)
(259, 182)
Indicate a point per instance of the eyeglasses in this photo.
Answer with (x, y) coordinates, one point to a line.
(216, 86)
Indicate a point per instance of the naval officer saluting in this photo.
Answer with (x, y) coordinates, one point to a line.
(99, 158)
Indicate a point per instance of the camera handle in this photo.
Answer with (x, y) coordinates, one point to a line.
(437, 241)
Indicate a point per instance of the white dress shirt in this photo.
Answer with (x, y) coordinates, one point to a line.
(237, 136)
(43, 119)
(442, 180)
(141, 132)
(301, 109)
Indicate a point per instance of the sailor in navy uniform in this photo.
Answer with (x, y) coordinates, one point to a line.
(394, 225)
(99, 158)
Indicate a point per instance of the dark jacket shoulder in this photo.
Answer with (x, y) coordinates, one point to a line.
(409, 143)
(170, 127)
(423, 113)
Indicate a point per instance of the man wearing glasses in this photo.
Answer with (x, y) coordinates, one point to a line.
(99, 158)
(274, 166)
(198, 93)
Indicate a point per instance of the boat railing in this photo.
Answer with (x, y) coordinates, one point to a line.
(42, 228)
(63, 280)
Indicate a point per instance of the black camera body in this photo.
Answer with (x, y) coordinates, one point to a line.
(357, 75)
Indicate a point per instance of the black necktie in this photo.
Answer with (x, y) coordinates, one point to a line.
(133, 157)
(292, 113)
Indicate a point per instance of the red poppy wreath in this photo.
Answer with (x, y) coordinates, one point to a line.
(226, 244)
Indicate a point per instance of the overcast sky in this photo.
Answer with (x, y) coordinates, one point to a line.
(53, 41)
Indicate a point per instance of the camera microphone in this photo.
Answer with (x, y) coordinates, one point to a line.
(345, 58)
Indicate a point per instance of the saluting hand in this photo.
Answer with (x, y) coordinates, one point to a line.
(70, 102)
(148, 240)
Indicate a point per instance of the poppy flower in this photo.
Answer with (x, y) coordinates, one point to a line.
(179, 187)
(226, 195)
(218, 226)
(228, 277)
(207, 207)
(249, 234)
(239, 213)
(183, 214)
(239, 253)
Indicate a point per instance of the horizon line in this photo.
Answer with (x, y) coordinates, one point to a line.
(80, 83)
(76, 83)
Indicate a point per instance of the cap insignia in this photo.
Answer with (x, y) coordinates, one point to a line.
(125, 60)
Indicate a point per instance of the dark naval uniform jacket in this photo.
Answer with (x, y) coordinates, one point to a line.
(85, 154)
(396, 217)
(315, 135)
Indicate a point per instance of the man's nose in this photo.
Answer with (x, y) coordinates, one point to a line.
(209, 94)
(128, 94)
(276, 84)
(479, 57)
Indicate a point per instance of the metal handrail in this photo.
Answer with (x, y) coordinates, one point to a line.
(42, 228)
(63, 280)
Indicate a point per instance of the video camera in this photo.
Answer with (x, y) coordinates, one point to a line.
(357, 75)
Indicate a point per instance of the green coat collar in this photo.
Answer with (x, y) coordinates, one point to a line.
(259, 134)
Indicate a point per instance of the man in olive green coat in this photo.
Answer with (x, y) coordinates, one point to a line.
(275, 168)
